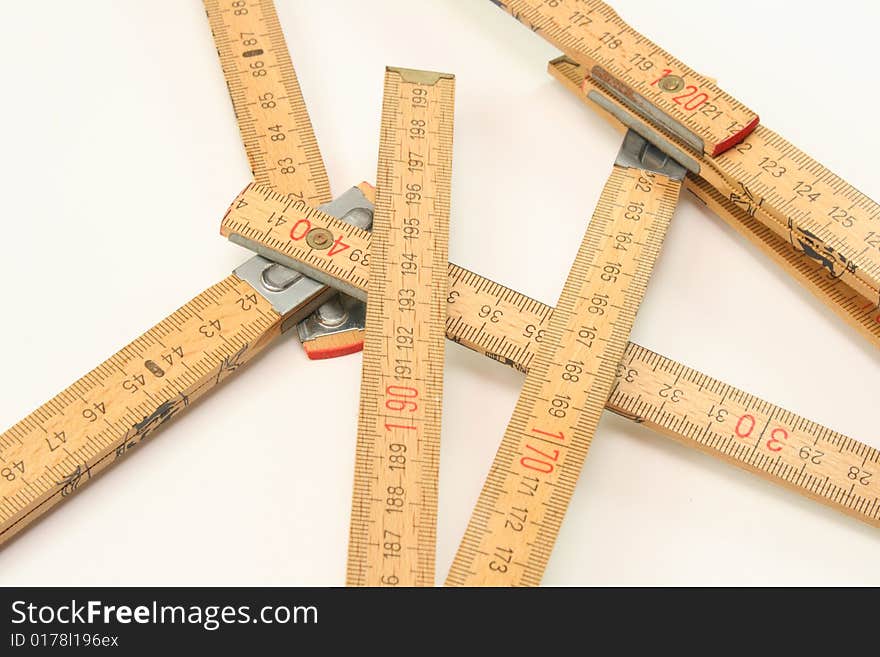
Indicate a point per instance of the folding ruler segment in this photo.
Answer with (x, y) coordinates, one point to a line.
(520, 510)
(394, 506)
(269, 106)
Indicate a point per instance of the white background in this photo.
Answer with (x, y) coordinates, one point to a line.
(120, 154)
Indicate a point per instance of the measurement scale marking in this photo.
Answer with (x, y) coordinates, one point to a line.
(267, 99)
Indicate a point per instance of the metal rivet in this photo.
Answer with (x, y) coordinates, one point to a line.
(671, 83)
(331, 313)
(360, 217)
(276, 278)
(319, 238)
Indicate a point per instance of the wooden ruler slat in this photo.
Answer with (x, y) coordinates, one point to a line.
(394, 505)
(520, 510)
(61, 446)
(269, 106)
(630, 66)
(850, 292)
(509, 327)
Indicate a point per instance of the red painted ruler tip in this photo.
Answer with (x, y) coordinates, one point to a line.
(737, 138)
(321, 350)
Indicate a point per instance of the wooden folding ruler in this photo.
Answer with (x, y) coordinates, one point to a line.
(734, 425)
